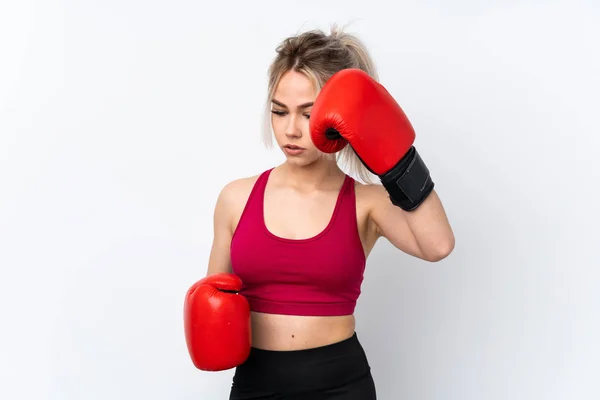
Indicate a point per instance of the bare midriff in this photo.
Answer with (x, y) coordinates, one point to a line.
(292, 332)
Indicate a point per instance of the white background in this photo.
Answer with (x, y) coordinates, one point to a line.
(120, 121)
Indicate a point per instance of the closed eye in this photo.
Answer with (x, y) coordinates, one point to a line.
(282, 113)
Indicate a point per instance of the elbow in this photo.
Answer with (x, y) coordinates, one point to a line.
(441, 251)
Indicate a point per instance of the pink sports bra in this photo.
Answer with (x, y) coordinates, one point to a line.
(319, 276)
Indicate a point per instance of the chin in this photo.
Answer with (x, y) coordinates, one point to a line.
(300, 161)
(295, 161)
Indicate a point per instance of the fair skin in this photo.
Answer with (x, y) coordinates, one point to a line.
(308, 183)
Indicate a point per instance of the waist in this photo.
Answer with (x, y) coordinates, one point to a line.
(294, 332)
(319, 367)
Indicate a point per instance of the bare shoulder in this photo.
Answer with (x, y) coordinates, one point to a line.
(374, 201)
(238, 189)
(228, 208)
(369, 194)
(233, 197)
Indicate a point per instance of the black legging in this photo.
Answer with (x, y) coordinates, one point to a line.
(338, 371)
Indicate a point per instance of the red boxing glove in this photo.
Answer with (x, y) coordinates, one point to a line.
(217, 323)
(354, 108)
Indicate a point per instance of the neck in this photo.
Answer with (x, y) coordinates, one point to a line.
(321, 173)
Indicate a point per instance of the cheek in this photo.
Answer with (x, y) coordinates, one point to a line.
(278, 125)
(304, 126)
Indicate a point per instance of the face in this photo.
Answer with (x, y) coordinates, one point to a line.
(290, 108)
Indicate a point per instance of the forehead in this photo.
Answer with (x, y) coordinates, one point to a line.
(295, 88)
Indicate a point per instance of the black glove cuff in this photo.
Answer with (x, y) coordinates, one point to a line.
(409, 182)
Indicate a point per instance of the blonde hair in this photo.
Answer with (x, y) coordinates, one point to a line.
(319, 56)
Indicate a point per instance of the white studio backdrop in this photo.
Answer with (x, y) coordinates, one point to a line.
(120, 121)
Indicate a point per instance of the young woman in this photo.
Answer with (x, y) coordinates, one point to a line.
(298, 235)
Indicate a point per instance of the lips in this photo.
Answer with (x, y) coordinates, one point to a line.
(293, 147)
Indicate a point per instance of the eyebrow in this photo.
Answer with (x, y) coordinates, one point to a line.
(303, 105)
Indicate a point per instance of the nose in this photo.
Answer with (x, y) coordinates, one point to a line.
(293, 129)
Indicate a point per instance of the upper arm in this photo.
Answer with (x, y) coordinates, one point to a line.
(424, 233)
(228, 209)
(219, 259)
(390, 222)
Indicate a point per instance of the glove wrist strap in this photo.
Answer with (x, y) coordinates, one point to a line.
(409, 182)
